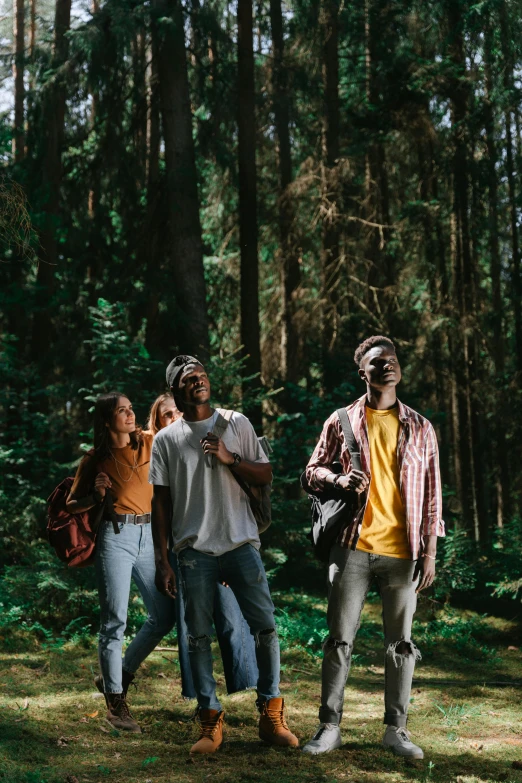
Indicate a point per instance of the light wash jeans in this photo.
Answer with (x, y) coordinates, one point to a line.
(243, 570)
(118, 559)
(350, 575)
(131, 555)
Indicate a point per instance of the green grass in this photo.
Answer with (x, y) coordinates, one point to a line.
(53, 728)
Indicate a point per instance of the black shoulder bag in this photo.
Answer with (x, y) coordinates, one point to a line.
(333, 508)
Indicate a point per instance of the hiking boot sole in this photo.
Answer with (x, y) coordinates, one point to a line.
(130, 729)
(271, 740)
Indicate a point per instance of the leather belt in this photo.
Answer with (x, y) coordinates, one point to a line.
(132, 519)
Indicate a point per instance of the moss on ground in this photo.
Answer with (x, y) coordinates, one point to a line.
(53, 730)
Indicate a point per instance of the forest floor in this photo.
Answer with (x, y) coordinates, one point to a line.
(466, 713)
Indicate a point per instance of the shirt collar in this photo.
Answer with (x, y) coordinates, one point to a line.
(404, 411)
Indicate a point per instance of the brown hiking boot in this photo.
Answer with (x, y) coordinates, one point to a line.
(118, 713)
(211, 737)
(126, 680)
(272, 724)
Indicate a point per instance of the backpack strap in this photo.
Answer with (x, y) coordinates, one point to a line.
(349, 438)
(222, 422)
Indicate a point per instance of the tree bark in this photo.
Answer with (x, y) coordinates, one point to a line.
(18, 77)
(53, 119)
(290, 272)
(516, 280)
(152, 239)
(466, 363)
(330, 254)
(502, 480)
(248, 233)
(181, 179)
(140, 107)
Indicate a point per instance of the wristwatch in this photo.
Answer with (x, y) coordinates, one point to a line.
(237, 460)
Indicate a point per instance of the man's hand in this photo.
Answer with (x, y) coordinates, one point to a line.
(425, 567)
(213, 445)
(165, 579)
(101, 483)
(355, 480)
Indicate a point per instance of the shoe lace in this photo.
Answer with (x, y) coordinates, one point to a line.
(403, 734)
(207, 727)
(277, 717)
(121, 706)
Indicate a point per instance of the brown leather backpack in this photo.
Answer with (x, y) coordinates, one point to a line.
(73, 536)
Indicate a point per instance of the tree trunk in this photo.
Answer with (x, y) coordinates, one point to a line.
(498, 351)
(290, 273)
(139, 68)
(181, 179)
(516, 280)
(248, 235)
(153, 234)
(330, 255)
(465, 364)
(53, 119)
(18, 77)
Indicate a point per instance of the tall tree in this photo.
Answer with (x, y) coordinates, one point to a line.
(181, 179)
(502, 488)
(52, 129)
(290, 273)
(248, 232)
(330, 253)
(516, 278)
(18, 77)
(465, 281)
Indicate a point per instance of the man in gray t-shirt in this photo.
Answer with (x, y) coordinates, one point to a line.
(200, 505)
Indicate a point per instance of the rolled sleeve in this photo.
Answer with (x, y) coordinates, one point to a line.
(432, 522)
(319, 465)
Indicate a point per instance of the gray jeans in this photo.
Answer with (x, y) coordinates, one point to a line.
(350, 574)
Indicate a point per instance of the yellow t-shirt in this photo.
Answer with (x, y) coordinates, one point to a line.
(383, 530)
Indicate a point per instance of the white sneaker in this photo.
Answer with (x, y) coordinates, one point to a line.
(398, 740)
(326, 738)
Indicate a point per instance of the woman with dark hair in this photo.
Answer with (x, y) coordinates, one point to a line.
(115, 473)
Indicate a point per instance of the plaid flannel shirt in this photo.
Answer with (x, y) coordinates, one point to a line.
(418, 457)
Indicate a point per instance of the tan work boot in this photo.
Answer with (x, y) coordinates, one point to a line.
(272, 724)
(118, 713)
(211, 737)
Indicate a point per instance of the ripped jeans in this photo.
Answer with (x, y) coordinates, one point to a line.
(242, 569)
(350, 574)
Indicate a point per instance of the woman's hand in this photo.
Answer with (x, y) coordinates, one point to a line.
(101, 483)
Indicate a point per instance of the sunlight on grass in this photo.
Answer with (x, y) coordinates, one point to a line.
(53, 727)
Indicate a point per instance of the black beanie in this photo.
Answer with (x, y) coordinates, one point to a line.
(176, 367)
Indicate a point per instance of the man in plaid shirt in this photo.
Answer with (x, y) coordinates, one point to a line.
(392, 539)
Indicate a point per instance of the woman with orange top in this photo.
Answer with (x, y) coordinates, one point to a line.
(119, 465)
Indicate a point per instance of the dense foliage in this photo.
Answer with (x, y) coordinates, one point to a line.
(354, 172)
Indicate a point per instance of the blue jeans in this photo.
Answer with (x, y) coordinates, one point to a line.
(131, 555)
(243, 570)
(236, 643)
(118, 559)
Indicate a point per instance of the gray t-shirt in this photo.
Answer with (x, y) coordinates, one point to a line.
(210, 511)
